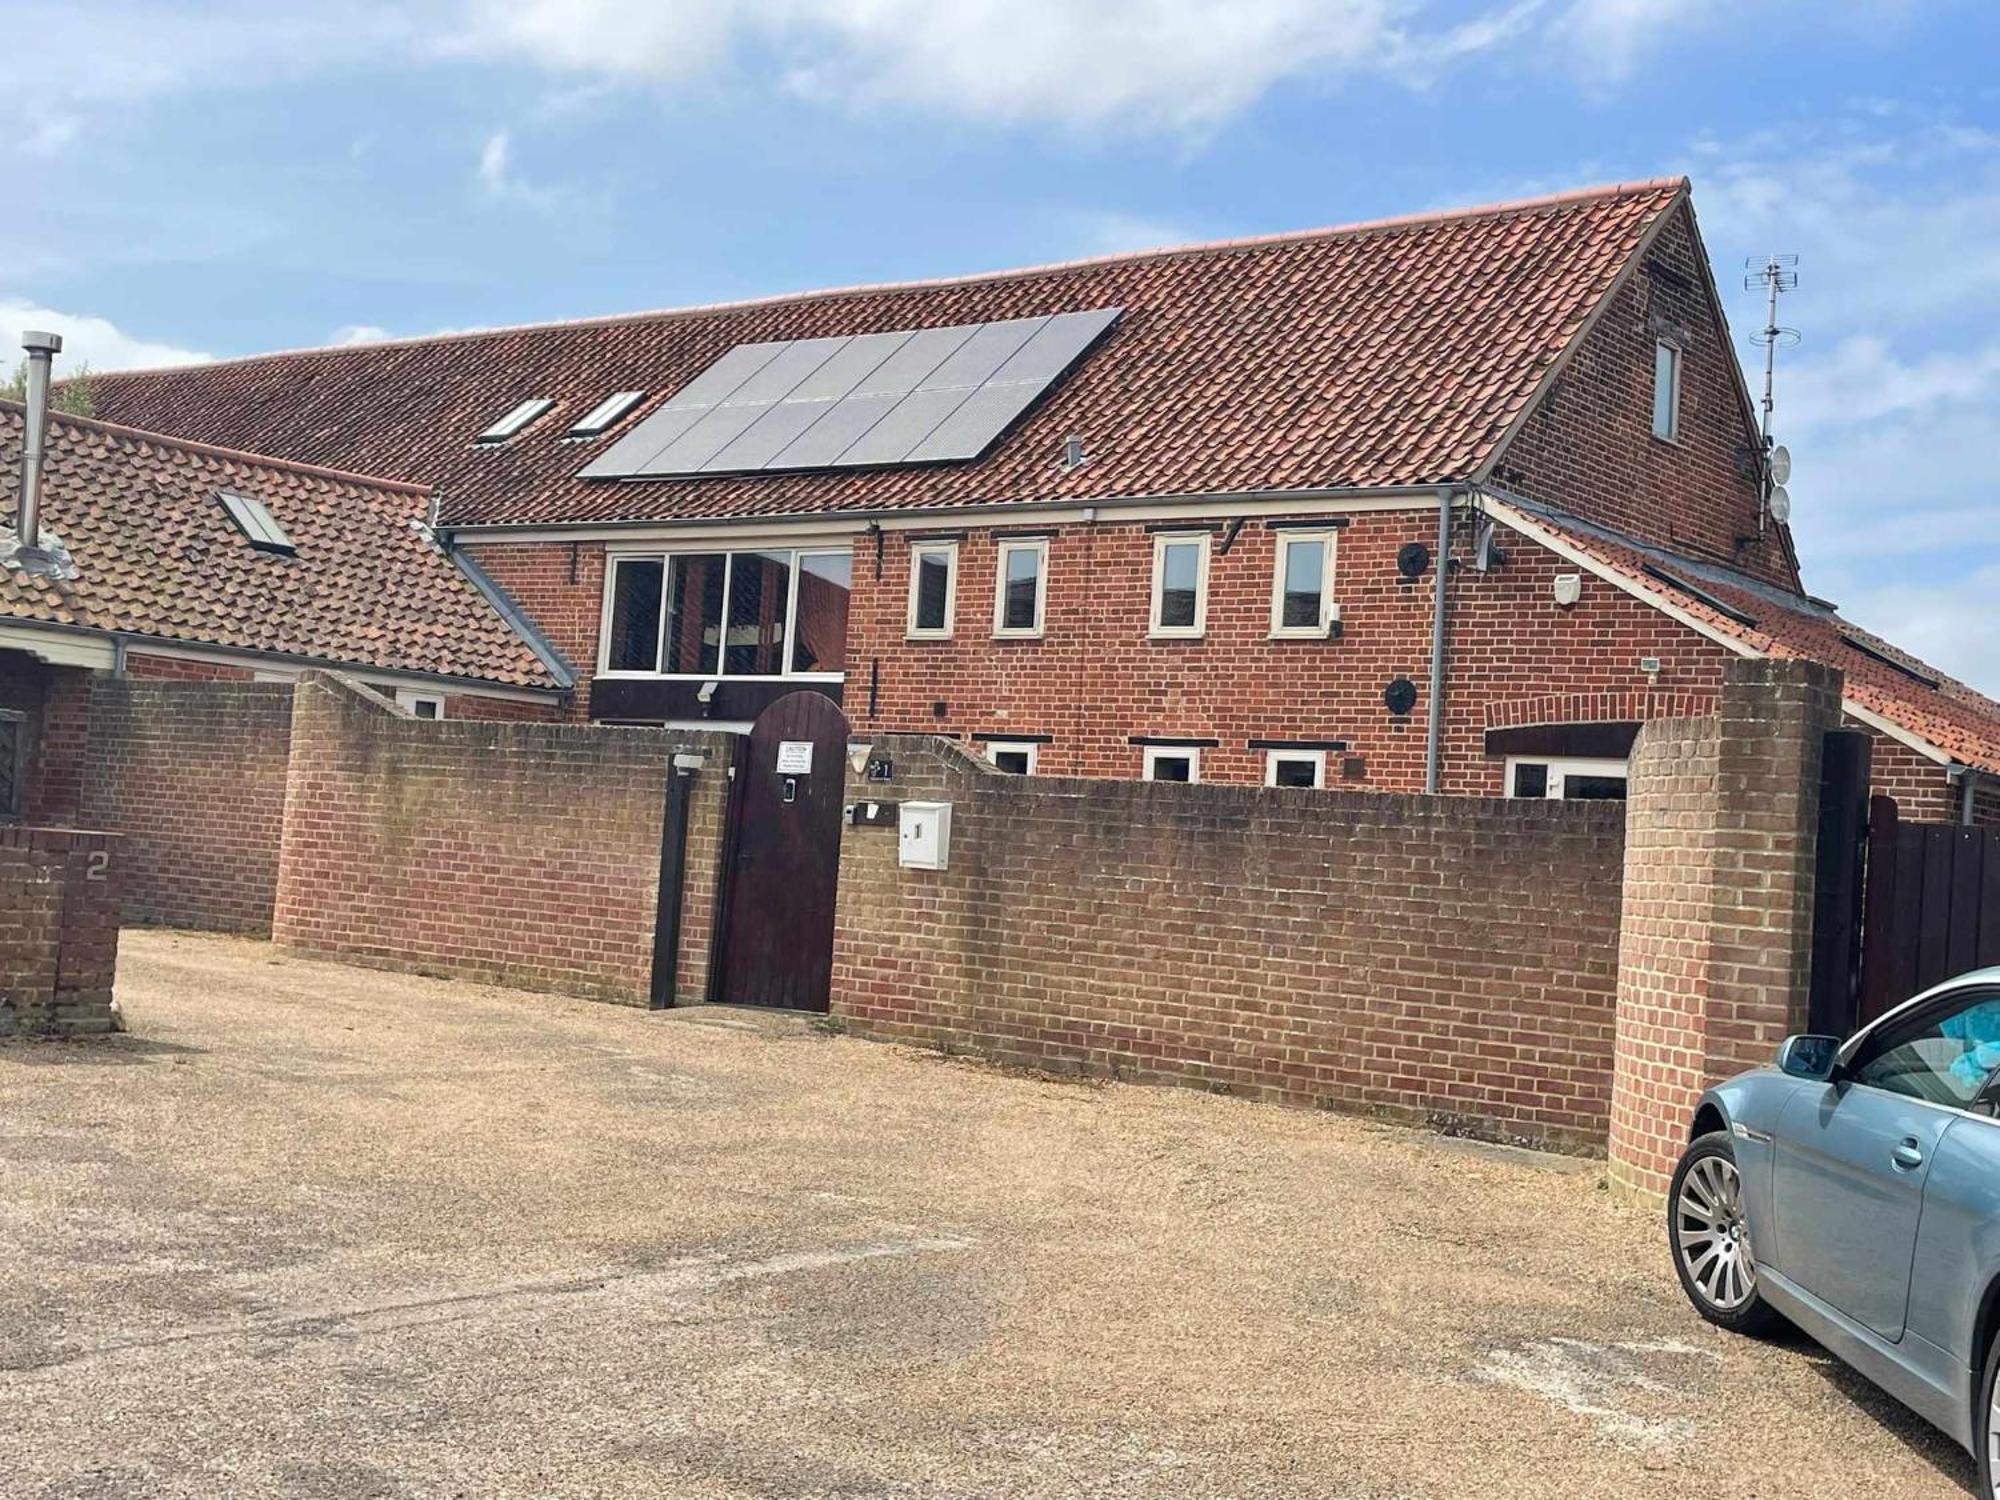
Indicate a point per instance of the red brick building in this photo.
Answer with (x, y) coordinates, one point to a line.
(1451, 501)
(170, 559)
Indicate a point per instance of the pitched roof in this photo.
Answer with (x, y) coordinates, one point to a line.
(157, 555)
(1393, 353)
(1958, 722)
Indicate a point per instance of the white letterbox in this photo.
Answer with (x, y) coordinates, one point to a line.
(923, 835)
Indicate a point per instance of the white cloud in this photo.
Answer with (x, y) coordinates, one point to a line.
(358, 333)
(1890, 403)
(1949, 622)
(1110, 232)
(96, 342)
(1610, 36)
(1136, 64)
(501, 181)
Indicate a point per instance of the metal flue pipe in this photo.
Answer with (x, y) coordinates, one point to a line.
(42, 349)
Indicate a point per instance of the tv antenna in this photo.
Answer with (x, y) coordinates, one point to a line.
(1774, 274)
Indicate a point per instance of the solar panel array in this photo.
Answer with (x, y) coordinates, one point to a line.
(929, 395)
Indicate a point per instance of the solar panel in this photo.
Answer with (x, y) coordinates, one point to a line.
(931, 395)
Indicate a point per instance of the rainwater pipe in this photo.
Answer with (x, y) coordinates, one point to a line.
(1441, 565)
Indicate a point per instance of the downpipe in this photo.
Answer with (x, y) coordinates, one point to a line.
(1440, 566)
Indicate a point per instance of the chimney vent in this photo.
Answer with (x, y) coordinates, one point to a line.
(27, 554)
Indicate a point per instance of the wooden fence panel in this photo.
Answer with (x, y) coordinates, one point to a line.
(1932, 906)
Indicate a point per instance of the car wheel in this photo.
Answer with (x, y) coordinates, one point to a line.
(1710, 1238)
(1986, 1426)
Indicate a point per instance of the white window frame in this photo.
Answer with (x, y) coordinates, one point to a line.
(917, 552)
(1568, 765)
(407, 699)
(665, 557)
(1040, 547)
(1155, 753)
(1317, 757)
(1162, 541)
(1674, 354)
(1329, 610)
(1032, 748)
(515, 422)
(606, 415)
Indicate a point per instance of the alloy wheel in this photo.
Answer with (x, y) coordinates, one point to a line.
(1712, 1237)
(1993, 1430)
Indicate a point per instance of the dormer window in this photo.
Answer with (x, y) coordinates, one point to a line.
(515, 422)
(1666, 392)
(257, 524)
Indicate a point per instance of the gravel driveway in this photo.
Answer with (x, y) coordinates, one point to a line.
(315, 1231)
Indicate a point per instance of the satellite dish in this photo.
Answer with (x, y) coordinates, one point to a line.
(1781, 465)
(1781, 503)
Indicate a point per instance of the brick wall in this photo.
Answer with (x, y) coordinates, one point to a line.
(1096, 677)
(178, 669)
(1716, 948)
(560, 586)
(522, 854)
(54, 704)
(1440, 960)
(192, 774)
(58, 930)
(1589, 447)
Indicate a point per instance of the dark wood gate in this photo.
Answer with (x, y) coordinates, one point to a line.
(1933, 907)
(781, 865)
(1834, 1007)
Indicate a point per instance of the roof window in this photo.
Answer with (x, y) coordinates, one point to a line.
(606, 414)
(1727, 610)
(257, 524)
(1876, 653)
(515, 421)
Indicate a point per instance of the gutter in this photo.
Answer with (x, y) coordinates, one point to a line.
(474, 531)
(552, 660)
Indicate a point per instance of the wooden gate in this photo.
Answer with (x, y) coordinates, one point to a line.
(781, 868)
(1933, 907)
(1834, 1006)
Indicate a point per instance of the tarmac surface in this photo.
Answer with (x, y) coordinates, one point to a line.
(318, 1231)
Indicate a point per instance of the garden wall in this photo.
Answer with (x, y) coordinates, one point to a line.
(1450, 961)
(192, 775)
(520, 854)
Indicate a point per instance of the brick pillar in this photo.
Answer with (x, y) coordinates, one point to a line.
(1715, 946)
(58, 930)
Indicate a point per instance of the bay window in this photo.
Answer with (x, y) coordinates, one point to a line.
(778, 612)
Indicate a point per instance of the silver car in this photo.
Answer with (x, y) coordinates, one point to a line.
(1854, 1190)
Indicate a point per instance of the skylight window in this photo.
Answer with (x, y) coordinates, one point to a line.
(257, 524)
(606, 414)
(1875, 653)
(515, 421)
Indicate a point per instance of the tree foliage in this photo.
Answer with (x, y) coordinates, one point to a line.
(71, 396)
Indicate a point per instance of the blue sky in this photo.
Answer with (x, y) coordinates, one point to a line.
(186, 180)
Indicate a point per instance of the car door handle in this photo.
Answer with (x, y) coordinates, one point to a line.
(1908, 1154)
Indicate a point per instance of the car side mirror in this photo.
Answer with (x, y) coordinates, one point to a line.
(1811, 1057)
